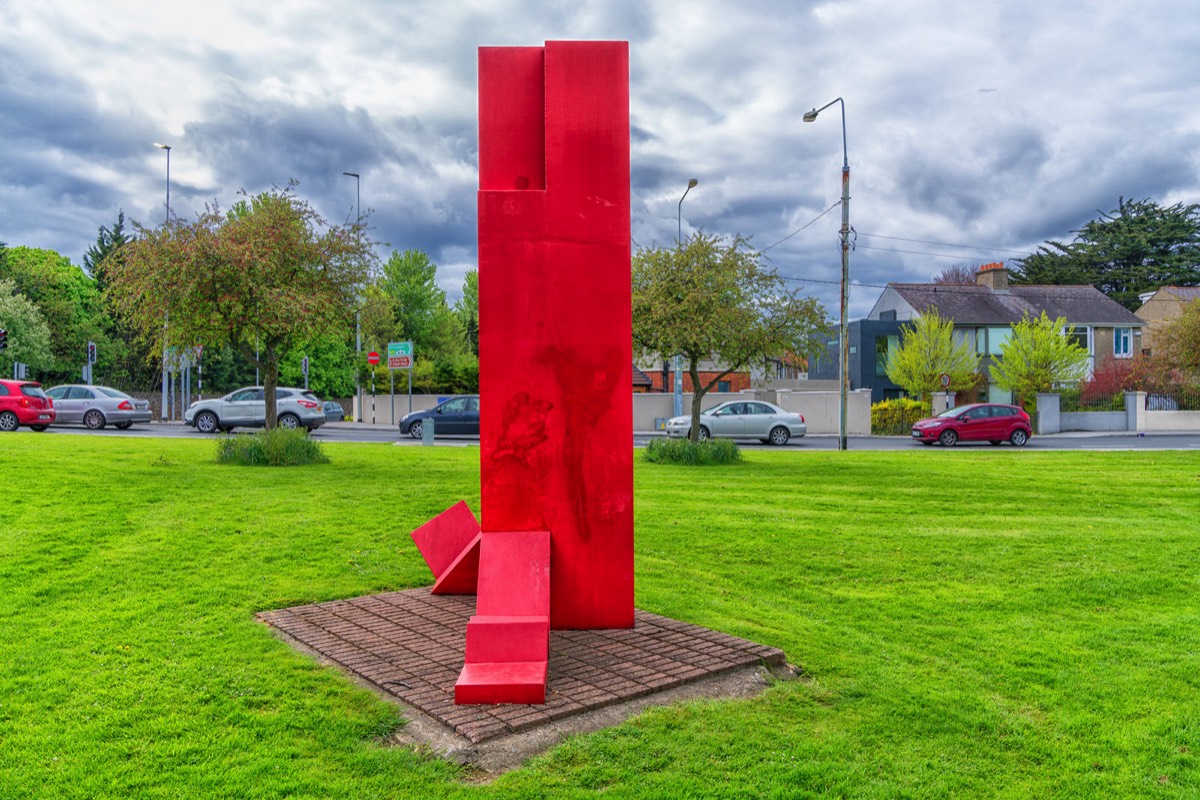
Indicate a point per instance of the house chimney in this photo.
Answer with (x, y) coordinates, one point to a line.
(994, 276)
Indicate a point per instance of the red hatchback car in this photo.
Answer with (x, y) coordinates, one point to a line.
(982, 422)
(24, 403)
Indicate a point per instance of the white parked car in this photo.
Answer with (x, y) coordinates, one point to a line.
(247, 408)
(743, 419)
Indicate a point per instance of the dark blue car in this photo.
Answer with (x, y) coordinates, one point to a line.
(456, 416)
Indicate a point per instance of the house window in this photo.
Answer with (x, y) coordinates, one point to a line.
(722, 386)
(989, 341)
(1082, 336)
(883, 345)
(1123, 342)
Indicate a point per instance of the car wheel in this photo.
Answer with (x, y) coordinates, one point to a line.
(1018, 438)
(289, 422)
(94, 420)
(415, 430)
(703, 437)
(9, 422)
(206, 422)
(780, 436)
(124, 426)
(38, 428)
(948, 438)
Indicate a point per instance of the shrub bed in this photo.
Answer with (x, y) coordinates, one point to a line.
(692, 454)
(273, 448)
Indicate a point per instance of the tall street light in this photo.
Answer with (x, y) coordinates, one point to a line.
(357, 313)
(844, 366)
(678, 404)
(166, 414)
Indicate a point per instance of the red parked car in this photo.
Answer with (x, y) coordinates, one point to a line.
(981, 422)
(24, 403)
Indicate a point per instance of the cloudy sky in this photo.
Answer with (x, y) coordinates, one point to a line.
(975, 130)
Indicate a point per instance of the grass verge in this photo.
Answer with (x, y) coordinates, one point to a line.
(973, 624)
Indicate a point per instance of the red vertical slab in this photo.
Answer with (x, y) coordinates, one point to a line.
(555, 326)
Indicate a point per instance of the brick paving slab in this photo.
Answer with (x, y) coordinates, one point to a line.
(410, 645)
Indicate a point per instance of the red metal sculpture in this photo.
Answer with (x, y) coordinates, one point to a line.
(555, 548)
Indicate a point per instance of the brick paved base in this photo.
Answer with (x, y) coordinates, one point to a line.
(410, 645)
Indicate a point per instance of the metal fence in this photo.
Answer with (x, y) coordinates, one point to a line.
(1078, 401)
(1180, 398)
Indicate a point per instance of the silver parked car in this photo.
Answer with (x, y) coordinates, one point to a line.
(247, 408)
(97, 406)
(743, 419)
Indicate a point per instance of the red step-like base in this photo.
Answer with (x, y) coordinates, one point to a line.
(501, 682)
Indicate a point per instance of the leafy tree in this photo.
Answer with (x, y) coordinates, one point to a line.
(1038, 356)
(70, 304)
(108, 241)
(958, 275)
(1137, 247)
(28, 333)
(410, 278)
(467, 309)
(266, 276)
(1181, 341)
(706, 299)
(927, 351)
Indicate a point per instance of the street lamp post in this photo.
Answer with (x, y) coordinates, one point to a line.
(843, 332)
(165, 411)
(357, 312)
(678, 404)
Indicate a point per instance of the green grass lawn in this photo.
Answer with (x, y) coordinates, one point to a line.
(973, 623)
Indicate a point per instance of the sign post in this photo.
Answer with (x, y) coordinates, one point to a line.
(400, 356)
(304, 369)
(372, 359)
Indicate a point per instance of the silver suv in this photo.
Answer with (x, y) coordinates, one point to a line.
(247, 408)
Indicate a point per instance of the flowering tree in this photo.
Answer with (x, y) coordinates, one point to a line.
(1039, 354)
(927, 352)
(262, 277)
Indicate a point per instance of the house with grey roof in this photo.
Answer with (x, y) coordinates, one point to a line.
(1161, 307)
(983, 316)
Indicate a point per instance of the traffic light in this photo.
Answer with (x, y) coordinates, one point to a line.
(91, 352)
(3, 339)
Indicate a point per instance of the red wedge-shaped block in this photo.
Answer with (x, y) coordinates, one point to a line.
(462, 576)
(507, 682)
(443, 539)
(507, 639)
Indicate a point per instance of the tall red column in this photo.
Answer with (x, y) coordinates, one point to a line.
(555, 343)
(554, 548)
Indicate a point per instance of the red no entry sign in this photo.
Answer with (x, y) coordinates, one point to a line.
(372, 358)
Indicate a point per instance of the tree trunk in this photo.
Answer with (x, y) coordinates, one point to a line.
(698, 393)
(270, 384)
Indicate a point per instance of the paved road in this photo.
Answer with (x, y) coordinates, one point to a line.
(366, 432)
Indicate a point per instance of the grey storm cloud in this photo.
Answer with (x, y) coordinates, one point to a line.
(991, 126)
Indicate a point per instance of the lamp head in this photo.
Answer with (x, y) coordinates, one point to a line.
(162, 146)
(351, 174)
(692, 183)
(810, 116)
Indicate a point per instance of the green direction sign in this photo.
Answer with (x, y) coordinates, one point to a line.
(397, 349)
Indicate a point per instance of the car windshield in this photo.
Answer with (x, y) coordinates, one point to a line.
(952, 412)
(710, 409)
(32, 391)
(112, 392)
(307, 395)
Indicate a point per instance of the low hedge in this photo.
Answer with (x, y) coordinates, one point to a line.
(896, 417)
